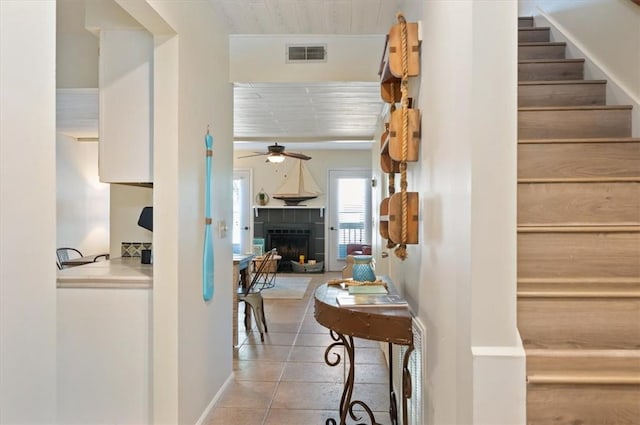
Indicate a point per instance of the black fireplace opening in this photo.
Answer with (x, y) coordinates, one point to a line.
(291, 241)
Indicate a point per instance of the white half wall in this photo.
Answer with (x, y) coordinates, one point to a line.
(27, 212)
(104, 344)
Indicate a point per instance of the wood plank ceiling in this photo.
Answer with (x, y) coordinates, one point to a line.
(307, 113)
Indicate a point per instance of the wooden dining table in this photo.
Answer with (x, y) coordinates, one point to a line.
(241, 272)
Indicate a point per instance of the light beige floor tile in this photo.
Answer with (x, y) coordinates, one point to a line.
(312, 372)
(307, 395)
(270, 353)
(287, 379)
(298, 417)
(372, 373)
(272, 338)
(312, 354)
(376, 396)
(310, 325)
(370, 355)
(315, 417)
(314, 340)
(257, 370)
(282, 326)
(366, 343)
(239, 393)
(235, 416)
(286, 313)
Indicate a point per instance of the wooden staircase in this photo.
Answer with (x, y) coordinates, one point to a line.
(578, 241)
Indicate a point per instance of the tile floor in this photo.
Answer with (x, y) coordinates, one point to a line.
(285, 380)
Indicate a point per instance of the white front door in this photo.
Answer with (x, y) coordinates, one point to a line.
(348, 213)
(241, 228)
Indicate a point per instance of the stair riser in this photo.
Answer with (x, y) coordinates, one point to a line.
(550, 71)
(526, 22)
(578, 255)
(541, 52)
(582, 404)
(536, 35)
(600, 323)
(561, 95)
(575, 160)
(552, 204)
(574, 123)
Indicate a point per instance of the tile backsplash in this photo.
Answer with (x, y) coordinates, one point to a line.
(134, 249)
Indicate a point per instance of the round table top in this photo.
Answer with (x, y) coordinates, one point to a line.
(381, 323)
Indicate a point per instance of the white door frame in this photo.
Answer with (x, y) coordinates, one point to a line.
(246, 221)
(332, 263)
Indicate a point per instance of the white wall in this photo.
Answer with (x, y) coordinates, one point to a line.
(126, 204)
(77, 48)
(269, 177)
(606, 33)
(193, 353)
(461, 278)
(349, 58)
(27, 213)
(82, 201)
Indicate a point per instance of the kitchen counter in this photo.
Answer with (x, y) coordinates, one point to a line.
(114, 273)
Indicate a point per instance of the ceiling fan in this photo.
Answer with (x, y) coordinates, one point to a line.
(276, 153)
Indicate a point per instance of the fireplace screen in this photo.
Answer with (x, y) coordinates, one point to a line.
(291, 243)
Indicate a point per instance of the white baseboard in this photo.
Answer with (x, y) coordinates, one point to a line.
(499, 385)
(214, 400)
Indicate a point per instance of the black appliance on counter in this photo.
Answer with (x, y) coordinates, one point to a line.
(146, 218)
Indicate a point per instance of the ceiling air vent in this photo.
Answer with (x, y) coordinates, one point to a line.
(317, 53)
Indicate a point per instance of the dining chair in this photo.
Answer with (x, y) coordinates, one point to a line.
(65, 254)
(252, 295)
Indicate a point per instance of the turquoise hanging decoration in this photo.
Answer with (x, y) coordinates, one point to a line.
(207, 261)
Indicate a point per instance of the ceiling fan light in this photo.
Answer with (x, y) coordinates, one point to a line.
(276, 159)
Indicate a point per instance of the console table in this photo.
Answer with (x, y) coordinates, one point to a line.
(380, 323)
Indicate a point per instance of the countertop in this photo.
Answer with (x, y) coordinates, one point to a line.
(123, 273)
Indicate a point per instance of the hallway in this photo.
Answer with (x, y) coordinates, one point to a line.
(285, 380)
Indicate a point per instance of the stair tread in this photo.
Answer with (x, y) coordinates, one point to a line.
(599, 179)
(541, 43)
(587, 377)
(558, 82)
(563, 228)
(593, 279)
(574, 108)
(562, 365)
(534, 28)
(582, 140)
(596, 293)
(583, 352)
(549, 60)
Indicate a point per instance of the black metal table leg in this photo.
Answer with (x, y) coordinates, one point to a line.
(346, 404)
(406, 382)
(393, 406)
